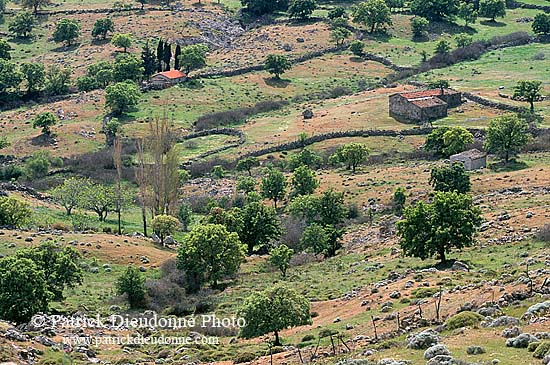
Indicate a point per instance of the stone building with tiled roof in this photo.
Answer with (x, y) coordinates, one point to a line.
(424, 105)
(167, 78)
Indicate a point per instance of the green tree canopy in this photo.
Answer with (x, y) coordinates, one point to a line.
(193, 57)
(121, 96)
(541, 24)
(210, 253)
(35, 76)
(61, 266)
(434, 9)
(34, 4)
(492, 9)
(305, 157)
(450, 178)
(22, 24)
(277, 64)
(280, 258)
(132, 283)
(127, 67)
(529, 91)
(262, 225)
(273, 185)
(399, 199)
(352, 154)
(339, 34)
(261, 7)
(10, 76)
(23, 289)
(450, 221)
(247, 164)
(58, 80)
(303, 181)
(273, 310)
(374, 14)
(122, 40)
(66, 30)
(68, 194)
(5, 49)
(102, 27)
(302, 9)
(447, 141)
(45, 121)
(357, 47)
(164, 225)
(14, 213)
(466, 11)
(463, 40)
(419, 25)
(506, 136)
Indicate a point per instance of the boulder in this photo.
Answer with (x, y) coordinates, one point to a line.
(521, 341)
(436, 350)
(422, 340)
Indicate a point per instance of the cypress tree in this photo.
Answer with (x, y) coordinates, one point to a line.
(160, 54)
(167, 56)
(149, 60)
(176, 57)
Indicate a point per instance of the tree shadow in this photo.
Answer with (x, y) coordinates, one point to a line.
(445, 26)
(421, 38)
(512, 165)
(356, 59)
(278, 83)
(492, 23)
(22, 40)
(379, 36)
(65, 48)
(100, 42)
(43, 140)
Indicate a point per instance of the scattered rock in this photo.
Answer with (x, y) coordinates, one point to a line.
(436, 350)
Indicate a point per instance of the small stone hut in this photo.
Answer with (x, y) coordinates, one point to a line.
(424, 105)
(472, 160)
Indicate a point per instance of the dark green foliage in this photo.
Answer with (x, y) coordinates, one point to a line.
(208, 254)
(492, 9)
(374, 14)
(262, 225)
(45, 121)
(305, 157)
(22, 24)
(303, 181)
(61, 266)
(261, 7)
(149, 60)
(450, 178)
(277, 64)
(121, 96)
(246, 164)
(273, 185)
(529, 91)
(273, 310)
(35, 76)
(14, 213)
(280, 258)
(302, 9)
(450, 221)
(132, 283)
(23, 290)
(506, 136)
(419, 25)
(399, 199)
(434, 9)
(541, 24)
(127, 67)
(337, 12)
(102, 27)
(463, 319)
(58, 80)
(447, 141)
(66, 30)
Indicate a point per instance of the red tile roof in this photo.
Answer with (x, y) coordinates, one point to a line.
(173, 74)
(426, 93)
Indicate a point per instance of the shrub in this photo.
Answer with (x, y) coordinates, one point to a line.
(244, 357)
(542, 350)
(307, 338)
(424, 292)
(14, 212)
(132, 284)
(464, 319)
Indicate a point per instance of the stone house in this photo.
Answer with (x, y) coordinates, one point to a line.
(424, 105)
(472, 160)
(167, 79)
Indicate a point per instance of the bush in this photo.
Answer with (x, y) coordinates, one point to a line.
(307, 338)
(132, 284)
(244, 357)
(464, 319)
(542, 350)
(11, 172)
(420, 293)
(14, 212)
(37, 165)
